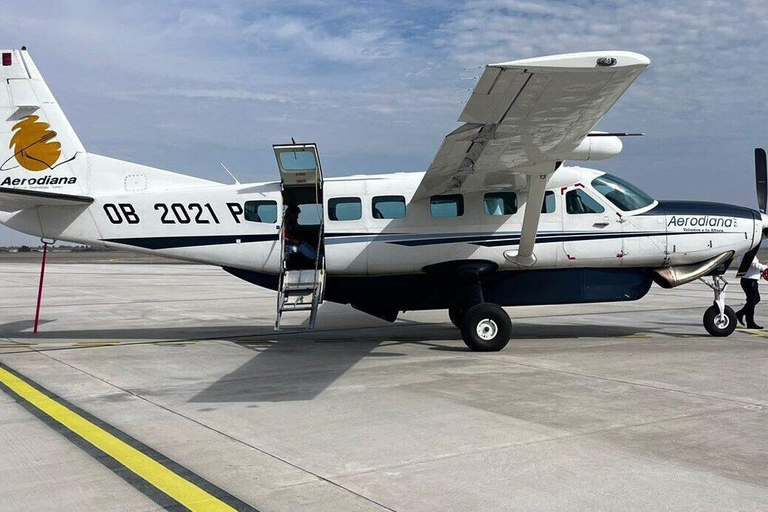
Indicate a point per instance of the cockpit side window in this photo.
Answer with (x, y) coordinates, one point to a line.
(622, 194)
(577, 202)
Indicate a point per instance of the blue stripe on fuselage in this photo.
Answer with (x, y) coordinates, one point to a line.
(413, 240)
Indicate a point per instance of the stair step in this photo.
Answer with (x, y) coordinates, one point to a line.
(300, 295)
(291, 307)
(299, 287)
(295, 304)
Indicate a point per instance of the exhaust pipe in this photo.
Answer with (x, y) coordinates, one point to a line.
(670, 277)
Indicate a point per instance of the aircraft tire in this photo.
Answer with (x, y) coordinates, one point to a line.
(716, 326)
(456, 313)
(486, 328)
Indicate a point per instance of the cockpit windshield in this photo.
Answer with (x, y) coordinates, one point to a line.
(624, 195)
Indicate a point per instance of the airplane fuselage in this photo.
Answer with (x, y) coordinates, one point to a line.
(587, 256)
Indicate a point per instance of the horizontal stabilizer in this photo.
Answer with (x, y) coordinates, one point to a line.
(14, 199)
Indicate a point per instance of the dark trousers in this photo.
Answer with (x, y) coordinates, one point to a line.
(753, 297)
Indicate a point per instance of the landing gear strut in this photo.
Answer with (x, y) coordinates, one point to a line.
(719, 319)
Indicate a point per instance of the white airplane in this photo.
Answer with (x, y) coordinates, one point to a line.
(496, 220)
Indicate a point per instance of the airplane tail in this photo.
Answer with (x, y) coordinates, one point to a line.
(39, 150)
(38, 147)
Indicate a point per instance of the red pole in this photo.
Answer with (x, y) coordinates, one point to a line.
(40, 287)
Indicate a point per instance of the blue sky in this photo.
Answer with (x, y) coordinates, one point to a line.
(186, 85)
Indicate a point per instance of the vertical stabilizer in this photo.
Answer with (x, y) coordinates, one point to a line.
(39, 150)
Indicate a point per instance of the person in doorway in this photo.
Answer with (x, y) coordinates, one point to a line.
(749, 283)
(293, 244)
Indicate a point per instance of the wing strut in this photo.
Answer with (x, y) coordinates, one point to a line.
(524, 255)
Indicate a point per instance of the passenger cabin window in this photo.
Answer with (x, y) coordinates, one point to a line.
(388, 207)
(345, 208)
(500, 203)
(310, 214)
(622, 194)
(548, 206)
(447, 206)
(577, 202)
(261, 211)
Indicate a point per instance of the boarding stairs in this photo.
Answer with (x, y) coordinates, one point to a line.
(299, 290)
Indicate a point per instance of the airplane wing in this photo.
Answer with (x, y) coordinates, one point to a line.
(522, 119)
(13, 199)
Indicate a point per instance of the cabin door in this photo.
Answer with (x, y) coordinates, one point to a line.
(592, 230)
(301, 179)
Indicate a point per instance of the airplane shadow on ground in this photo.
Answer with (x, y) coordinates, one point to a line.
(296, 366)
(302, 367)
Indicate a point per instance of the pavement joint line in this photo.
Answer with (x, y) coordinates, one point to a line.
(158, 477)
(550, 439)
(116, 303)
(221, 433)
(633, 383)
(76, 346)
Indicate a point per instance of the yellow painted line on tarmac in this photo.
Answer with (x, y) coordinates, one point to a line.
(16, 345)
(95, 344)
(755, 332)
(637, 335)
(153, 472)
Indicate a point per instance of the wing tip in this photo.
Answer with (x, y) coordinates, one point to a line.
(580, 60)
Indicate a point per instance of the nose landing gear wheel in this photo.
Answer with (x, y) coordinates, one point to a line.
(486, 328)
(717, 324)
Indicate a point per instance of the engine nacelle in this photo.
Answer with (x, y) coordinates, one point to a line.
(596, 148)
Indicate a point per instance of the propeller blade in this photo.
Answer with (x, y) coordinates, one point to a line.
(761, 178)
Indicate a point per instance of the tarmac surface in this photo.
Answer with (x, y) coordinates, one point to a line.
(164, 386)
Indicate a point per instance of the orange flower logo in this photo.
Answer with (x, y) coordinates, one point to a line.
(33, 144)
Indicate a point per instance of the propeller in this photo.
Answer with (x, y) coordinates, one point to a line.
(761, 178)
(761, 186)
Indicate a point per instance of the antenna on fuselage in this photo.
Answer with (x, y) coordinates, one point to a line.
(237, 182)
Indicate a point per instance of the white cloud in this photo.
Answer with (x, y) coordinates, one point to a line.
(216, 94)
(705, 54)
(366, 42)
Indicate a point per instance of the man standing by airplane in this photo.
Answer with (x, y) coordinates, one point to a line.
(749, 283)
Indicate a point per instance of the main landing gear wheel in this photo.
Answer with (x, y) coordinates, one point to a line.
(486, 328)
(456, 314)
(718, 324)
